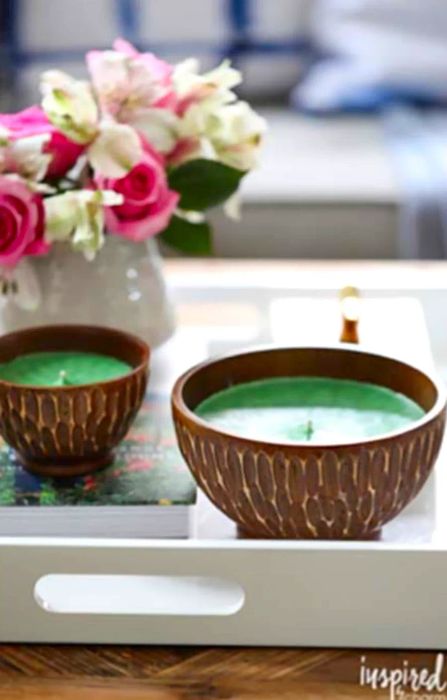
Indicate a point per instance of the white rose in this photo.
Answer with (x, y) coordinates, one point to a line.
(213, 86)
(70, 105)
(237, 135)
(78, 216)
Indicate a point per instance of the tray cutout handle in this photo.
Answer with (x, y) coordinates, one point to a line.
(110, 594)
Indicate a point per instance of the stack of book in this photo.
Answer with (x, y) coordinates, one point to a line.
(146, 492)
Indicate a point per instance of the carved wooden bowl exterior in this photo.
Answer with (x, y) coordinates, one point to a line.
(71, 430)
(297, 490)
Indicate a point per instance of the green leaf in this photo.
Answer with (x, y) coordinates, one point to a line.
(204, 183)
(193, 239)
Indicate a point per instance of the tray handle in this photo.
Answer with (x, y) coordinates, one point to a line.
(111, 594)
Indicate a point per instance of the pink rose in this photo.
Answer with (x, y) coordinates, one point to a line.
(34, 122)
(21, 222)
(148, 202)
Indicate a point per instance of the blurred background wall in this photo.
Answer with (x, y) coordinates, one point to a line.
(268, 40)
(355, 91)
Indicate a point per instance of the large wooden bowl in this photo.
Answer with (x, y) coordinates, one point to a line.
(297, 490)
(71, 430)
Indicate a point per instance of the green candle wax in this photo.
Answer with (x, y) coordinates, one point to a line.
(308, 409)
(62, 368)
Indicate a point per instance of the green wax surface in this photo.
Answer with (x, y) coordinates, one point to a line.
(62, 368)
(308, 409)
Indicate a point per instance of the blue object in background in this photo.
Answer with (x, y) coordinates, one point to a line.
(268, 40)
(374, 53)
(345, 55)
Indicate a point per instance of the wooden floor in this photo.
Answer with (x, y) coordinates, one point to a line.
(185, 673)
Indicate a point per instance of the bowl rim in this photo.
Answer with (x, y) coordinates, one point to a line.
(85, 328)
(178, 403)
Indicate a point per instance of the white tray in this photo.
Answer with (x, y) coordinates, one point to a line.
(217, 589)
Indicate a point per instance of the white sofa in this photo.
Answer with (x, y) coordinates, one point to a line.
(326, 188)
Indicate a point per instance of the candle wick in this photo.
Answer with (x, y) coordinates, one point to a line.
(62, 379)
(309, 429)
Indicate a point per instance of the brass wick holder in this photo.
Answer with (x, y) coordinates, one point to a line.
(350, 303)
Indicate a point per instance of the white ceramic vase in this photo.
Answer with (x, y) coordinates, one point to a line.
(122, 288)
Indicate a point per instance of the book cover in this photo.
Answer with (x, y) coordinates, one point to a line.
(148, 470)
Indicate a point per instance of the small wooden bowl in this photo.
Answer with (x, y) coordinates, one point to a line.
(71, 430)
(297, 490)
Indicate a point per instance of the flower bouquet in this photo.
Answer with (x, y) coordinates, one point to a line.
(143, 148)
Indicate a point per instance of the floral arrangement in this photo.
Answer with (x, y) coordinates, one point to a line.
(142, 148)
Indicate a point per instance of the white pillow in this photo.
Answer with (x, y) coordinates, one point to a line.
(376, 51)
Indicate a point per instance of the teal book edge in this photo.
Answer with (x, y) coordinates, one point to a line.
(148, 470)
